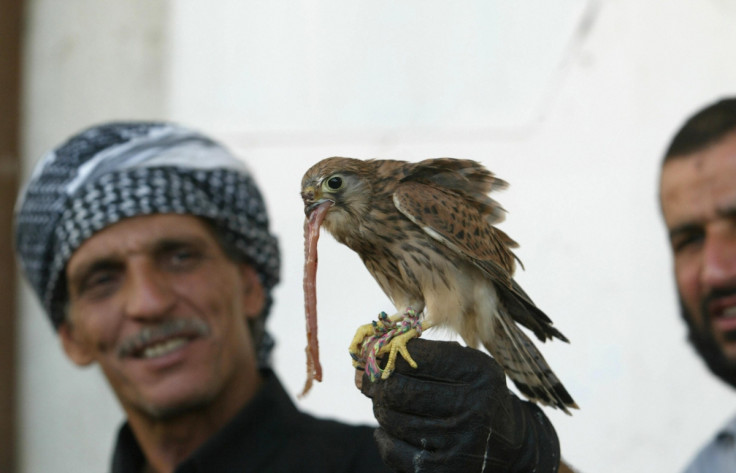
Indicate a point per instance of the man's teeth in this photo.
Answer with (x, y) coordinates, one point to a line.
(729, 313)
(163, 348)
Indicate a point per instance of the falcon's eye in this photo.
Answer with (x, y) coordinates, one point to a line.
(334, 183)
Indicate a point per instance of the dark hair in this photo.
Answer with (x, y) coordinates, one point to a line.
(704, 128)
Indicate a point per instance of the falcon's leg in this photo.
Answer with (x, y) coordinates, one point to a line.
(387, 335)
(370, 330)
(395, 346)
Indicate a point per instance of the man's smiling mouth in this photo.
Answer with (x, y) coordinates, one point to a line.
(728, 313)
(153, 342)
(163, 348)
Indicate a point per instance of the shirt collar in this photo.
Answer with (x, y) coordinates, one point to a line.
(727, 432)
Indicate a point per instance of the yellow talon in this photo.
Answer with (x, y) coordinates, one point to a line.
(382, 335)
(395, 346)
(363, 331)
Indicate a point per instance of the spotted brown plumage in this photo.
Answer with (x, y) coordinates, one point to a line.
(426, 233)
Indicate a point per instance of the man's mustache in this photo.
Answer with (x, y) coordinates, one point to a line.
(713, 296)
(709, 300)
(189, 328)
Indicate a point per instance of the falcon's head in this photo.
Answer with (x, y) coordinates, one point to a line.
(344, 185)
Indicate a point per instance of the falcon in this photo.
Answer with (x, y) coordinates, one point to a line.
(425, 231)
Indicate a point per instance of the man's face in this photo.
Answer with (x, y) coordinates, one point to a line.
(698, 197)
(155, 301)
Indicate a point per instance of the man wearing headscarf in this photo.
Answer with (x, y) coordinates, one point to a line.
(149, 247)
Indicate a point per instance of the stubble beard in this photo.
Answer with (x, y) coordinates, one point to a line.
(707, 346)
(170, 412)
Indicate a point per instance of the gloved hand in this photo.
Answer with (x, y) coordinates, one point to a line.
(454, 413)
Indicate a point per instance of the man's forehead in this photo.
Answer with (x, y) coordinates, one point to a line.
(138, 234)
(706, 178)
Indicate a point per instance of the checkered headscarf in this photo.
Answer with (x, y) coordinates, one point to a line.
(117, 170)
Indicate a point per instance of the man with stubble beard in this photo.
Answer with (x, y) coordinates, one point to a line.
(698, 199)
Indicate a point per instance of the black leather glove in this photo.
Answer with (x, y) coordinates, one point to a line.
(454, 413)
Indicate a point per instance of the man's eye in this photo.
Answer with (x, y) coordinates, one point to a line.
(183, 258)
(97, 282)
(100, 278)
(686, 242)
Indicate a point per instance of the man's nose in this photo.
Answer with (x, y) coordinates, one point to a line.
(148, 292)
(719, 259)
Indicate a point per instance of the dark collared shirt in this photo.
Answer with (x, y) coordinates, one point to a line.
(269, 435)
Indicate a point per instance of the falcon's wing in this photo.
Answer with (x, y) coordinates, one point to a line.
(450, 219)
(463, 225)
(468, 179)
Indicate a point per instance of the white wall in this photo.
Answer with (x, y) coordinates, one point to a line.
(572, 103)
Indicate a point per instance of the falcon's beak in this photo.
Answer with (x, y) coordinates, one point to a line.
(312, 201)
(308, 209)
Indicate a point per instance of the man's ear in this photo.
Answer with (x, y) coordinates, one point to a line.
(77, 351)
(254, 296)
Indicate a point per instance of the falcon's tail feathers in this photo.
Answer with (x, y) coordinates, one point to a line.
(528, 314)
(526, 366)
